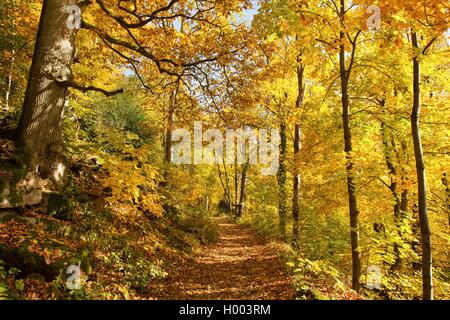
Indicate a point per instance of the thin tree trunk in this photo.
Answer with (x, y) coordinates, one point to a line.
(404, 202)
(282, 205)
(242, 194)
(297, 148)
(225, 186)
(169, 129)
(10, 75)
(447, 194)
(236, 188)
(353, 206)
(11, 67)
(427, 273)
(39, 135)
(390, 149)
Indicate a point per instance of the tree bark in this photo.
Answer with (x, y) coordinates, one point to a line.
(427, 273)
(236, 189)
(353, 206)
(226, 187)
(447, 194)
(404, 201)
(168, 142)
(282, 204)
(390, 149)
(297, 148)
(9, 80)
(11, 65)
(39, 135)
(242, 194)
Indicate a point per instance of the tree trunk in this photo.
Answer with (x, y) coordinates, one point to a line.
(225, 186)
(168, 142)
(282, 204)
(207, 204)
(236, 188)
(9, 80)
(11, 67)
(297, 148)
(389, 150)
(39, 135)
(242, 194)
(353, 206)
(404, 202)
(447, 194)
(427, 273)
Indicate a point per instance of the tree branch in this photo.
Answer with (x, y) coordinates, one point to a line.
(81, 88)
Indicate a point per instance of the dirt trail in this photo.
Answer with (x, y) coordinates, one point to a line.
(240, 266)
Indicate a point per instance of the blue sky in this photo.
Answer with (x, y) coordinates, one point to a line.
(249, 14)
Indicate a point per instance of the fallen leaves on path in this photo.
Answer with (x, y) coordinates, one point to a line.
(240, 266)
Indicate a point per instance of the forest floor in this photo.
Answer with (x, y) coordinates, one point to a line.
(241, 265)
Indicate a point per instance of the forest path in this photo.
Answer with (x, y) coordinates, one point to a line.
(241, 265)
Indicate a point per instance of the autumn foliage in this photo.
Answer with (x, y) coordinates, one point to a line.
(358, 91)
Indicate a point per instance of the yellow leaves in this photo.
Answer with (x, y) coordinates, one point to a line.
(290, 264)
(133, 183)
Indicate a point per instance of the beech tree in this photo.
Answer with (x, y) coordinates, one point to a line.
(427, 20)
(39, 134)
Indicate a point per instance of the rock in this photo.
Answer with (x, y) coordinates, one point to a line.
(20, 191)
(32, 198)
(35, 276)
(5, 204)
(4, 193)
(30, 263)
(6, 215)
(58, 205)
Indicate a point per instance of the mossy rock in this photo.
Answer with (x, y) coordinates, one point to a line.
(12, 197)
(8, 215)
(32, 263)
(29, 262)
(58, 206)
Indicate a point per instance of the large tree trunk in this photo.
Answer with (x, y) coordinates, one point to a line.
(39, 135)
(297, 148)
(427, 273)
(353, 206)
(282, 204)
